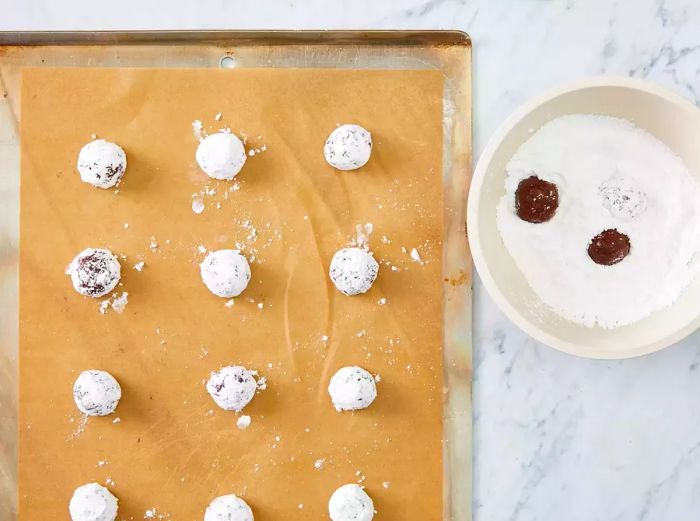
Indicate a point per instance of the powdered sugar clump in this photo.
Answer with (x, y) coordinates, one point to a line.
(608, 174)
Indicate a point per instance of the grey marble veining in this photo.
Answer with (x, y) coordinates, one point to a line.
(556, 437)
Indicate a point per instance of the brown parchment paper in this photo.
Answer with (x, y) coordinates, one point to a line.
(173, 450)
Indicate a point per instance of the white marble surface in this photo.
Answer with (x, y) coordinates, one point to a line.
(555, 437)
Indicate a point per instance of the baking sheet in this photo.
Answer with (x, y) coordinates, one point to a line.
(446, 52)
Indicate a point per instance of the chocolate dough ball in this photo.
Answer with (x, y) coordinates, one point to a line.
(536, 200)
(609, 247)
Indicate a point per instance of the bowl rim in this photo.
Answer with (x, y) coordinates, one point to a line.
(473, 209)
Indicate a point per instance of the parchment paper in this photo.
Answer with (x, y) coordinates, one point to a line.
(173, 450)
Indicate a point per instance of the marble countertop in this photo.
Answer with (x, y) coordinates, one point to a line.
(555, 437)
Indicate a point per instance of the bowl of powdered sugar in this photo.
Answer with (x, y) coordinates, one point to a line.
(584, 218)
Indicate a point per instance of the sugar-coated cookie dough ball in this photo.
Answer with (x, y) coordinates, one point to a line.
(232, 387)
(348, 147)
(94, 272)
(353, 270)
(352, 388)
(96, 393)
(622, 198)
(225, 272)
(93, 502)
(221, 155)
(101, 163)
(350, 503)
(228, 508)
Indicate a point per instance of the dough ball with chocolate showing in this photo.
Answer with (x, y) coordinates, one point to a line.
(93, 502)
(622, 198)
(609, 247)
(96, 393)
(232, 387)
(348, 147)
(225, 272)
(350, 503)
(353, 270)
(94, 272)
(221, 155)
(536, 200)
(228, 508)
(101, 163)
(352, 388)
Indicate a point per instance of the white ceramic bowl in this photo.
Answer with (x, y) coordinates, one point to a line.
(670, 118)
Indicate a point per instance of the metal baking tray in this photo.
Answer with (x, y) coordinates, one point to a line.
(447, 51)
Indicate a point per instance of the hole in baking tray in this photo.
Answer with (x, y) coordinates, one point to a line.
(227, 62)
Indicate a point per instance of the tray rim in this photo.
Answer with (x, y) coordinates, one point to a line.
(250, 37)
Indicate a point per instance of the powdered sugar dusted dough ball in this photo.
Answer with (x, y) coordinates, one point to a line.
(350, 503)
(221, 155)
(96, 393)
(228, 508)
(621, 197)
(353, 270)
(232, 387)
(101, 163)
(352, 388)
(348, 147)
(225, 272)
(93, 502)
(94, 272)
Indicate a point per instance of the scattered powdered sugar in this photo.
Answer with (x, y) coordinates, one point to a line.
(363, 233)
(243, 422)
(139, 266)
(609, 176)
(198, 130)
(197, 205)
(415, 256)
(117, 302)
(152, 513)
(318, 464)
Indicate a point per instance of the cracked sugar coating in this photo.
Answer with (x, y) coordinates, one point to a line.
(353, 270)
(101, 163)
(96, 393)
(348, 147)
(622, 198)
(232, 387)
(225, 272)
(221, 155)
(93, 502)
(228, 508)
(350, 503)
(352, 388)
(94, 272)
